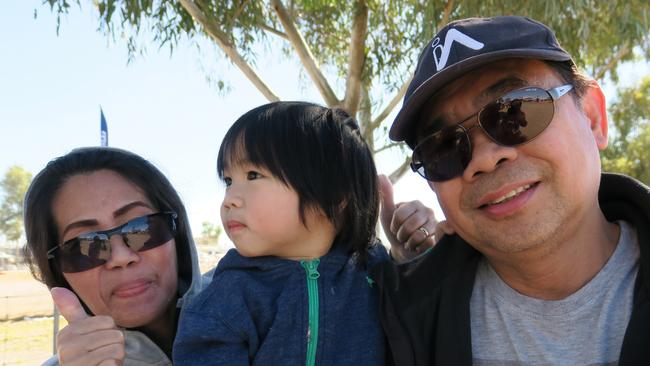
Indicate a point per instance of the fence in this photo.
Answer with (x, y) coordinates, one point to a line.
(27, 323)
(26, 329)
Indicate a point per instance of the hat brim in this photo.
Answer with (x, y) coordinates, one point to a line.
(402, 127)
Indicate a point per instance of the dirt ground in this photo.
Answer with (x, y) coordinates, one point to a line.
(21, 295)
(25, 337)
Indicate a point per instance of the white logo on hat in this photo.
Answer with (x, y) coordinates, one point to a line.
(452, 35)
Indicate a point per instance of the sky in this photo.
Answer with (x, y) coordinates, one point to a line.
(159, 106)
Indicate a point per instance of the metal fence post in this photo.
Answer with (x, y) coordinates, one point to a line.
(55, 329)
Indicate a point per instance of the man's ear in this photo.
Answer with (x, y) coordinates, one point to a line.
(595, 108)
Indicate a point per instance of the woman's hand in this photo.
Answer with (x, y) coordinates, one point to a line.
(86, 340)
(411, 227)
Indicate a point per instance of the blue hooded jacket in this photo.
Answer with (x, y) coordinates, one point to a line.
(273, 311)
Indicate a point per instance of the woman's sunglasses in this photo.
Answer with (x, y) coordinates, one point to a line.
(513, 119)
(93, 249)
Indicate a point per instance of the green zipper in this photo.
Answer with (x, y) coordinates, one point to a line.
(311, 268)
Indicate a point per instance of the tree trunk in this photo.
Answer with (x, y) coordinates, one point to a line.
(364, 116)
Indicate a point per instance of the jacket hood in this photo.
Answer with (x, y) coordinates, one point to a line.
(624, 198)
(190, 282)
(233, 260)
(335, 257)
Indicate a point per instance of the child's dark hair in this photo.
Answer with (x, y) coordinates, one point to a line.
(319, 153)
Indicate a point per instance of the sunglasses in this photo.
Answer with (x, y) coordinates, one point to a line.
(512, 119)
(93, 249)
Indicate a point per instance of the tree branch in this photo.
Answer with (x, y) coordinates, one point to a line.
(238, 12)
(391, 105)
(364, 117)
(212, 29)
(599, 73)
(386, 147)
(274, 31)
(305, 55)
(397, 173)
(449, 6)
(10, 216)
(356, 57)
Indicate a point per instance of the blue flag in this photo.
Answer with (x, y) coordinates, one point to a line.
(104, 128)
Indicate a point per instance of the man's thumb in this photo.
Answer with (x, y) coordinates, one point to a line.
(386, 196)
(68, 304)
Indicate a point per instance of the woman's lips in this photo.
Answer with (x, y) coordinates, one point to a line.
(132, 289)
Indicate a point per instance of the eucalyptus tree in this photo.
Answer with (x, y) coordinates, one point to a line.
(12, 193)
(359, 54)
(629, 146)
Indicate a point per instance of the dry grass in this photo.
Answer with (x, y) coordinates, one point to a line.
(26, 342)
(21, 295)
(26, 323)
(25, 331)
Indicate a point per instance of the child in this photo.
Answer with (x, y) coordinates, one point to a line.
(301, 207)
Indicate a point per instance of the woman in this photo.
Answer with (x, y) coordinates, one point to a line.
(109, 235)
(107, 225)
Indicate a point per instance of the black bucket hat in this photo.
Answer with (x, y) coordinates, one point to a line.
(464, 45)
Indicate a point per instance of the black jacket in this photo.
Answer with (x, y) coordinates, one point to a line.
(425, 303)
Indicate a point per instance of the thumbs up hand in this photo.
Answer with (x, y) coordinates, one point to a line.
(86, 340)
(411, 227)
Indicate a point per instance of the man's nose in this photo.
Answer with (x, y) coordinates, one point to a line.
(487, 155)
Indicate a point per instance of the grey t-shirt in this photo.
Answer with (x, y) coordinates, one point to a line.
(585, 328)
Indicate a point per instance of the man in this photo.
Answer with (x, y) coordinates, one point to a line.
(548, 258)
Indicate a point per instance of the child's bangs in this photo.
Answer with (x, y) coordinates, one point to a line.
(250, 146)
(233, 153)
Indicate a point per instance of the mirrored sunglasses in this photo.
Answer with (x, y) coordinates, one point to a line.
(93, 249)
(512, 119)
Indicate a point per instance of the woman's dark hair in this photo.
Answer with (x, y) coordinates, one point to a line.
(40, 226)
(319, 153)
